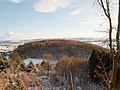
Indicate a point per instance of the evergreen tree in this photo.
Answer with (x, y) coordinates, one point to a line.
(3, 64)
(100, 65)
(31, 67)
(46, 66)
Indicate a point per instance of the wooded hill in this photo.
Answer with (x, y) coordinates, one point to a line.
(57, 48)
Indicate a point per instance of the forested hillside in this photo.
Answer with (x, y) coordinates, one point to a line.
(57, 48)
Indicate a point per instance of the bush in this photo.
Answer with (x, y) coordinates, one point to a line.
(14, 83)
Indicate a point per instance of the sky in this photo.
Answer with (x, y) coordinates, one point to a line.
(31, 19)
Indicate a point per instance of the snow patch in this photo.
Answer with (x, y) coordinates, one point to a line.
(34, 60)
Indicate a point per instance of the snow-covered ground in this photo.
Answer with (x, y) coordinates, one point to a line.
(37, 61)
(7, 48)
(34, 60)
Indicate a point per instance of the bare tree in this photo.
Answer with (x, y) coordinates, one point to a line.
(105, 5)
(115, 52)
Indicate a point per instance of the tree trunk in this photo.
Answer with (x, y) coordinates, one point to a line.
(117, 54)
(71, 79)
(118, 30)
(110, 35)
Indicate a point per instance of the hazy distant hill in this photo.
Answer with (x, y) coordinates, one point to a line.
(57, 48)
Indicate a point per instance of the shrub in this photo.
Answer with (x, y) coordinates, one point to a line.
(14, 83)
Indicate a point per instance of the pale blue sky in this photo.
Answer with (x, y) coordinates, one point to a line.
(48, 19)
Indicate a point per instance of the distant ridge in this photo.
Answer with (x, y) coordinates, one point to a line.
(38, 39)
(57, 48)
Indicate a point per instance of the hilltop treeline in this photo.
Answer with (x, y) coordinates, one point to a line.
(57, 48)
